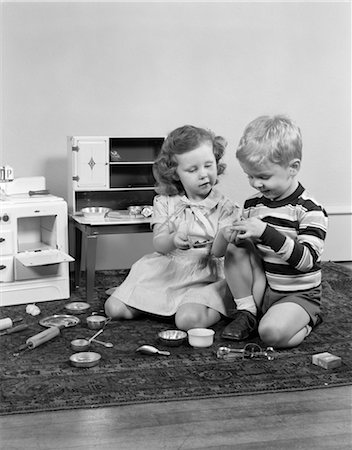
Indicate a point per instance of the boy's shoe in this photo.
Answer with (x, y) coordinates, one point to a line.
(243, 325)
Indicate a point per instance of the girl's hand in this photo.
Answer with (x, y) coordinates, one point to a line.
(249, 228)
(181, 240)
(229, 234)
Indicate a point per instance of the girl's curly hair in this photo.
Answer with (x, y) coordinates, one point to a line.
(179, 141)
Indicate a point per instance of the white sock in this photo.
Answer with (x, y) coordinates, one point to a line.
(246, 303)
(309, 329)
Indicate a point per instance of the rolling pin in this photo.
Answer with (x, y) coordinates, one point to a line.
(16, 329)
(42, 337)
(8, 323)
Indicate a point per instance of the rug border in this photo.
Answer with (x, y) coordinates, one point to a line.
(202, 397)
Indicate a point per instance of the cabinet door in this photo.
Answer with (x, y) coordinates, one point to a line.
(90, 163)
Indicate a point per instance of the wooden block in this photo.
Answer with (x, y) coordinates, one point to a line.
(326, 360)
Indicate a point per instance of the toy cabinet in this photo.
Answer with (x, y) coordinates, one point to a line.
(113, 172)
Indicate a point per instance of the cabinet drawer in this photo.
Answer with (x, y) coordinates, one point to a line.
(6, 243)
(6, 269)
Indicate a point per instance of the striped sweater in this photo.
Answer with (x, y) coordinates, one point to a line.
(293, 240)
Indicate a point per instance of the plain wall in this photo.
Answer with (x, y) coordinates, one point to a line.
(143, 69)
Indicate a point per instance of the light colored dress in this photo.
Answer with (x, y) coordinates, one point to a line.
(159, 283)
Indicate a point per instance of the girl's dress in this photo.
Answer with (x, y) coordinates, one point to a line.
(159, 283)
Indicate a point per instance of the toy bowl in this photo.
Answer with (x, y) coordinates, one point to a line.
(80, 345)
(85, 359)
(134, 210)
(77, 307)
(95, 212)
(96, 322)
(172, 338)
(201, 337)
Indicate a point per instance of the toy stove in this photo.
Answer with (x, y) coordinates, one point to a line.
(34, 264)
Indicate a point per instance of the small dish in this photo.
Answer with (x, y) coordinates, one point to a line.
(80, 345)
(77, 307)
(95, 212)
(172, 338)
(59, 320)
(134, 210)
(201, 337)
(85, 359)
(96, 322)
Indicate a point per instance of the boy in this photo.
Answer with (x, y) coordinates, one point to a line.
(288, 228)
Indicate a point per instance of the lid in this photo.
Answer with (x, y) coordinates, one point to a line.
(43, 257)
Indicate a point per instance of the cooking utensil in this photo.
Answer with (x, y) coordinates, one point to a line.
(8, 323)
(39, 192)
(105, 344)
(85, 359)
(172, 338)
(200, 337)
(95, 335)
(96, 322)
(59, 320)
(77, 307)
(150, 350)
(16, 329)
(80, 345)
(95, 212)
(42, 337)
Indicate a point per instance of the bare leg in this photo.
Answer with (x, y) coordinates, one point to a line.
(244, 272)
(116, 309)
(194, 315)
(246, 280)
(284, 325)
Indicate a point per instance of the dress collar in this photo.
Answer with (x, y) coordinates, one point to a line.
(209, 202)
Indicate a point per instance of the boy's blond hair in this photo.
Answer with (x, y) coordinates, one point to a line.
(276, 139)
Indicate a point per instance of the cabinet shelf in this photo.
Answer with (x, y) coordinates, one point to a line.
(114, 172)
(130, 163)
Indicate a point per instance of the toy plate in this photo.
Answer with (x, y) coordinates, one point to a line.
(77, 307)
(85, 359)
(59, 320)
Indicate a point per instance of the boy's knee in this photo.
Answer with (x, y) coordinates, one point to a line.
(271, 334)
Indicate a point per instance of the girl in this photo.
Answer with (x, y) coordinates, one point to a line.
(183, 277)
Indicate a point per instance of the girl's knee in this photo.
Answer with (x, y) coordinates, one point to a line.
(109, 308)
(115, 309)
(195, 316)
(185, 320)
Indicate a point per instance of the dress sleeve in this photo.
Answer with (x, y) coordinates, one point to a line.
(160, 210)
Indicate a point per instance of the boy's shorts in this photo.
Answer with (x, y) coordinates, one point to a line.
(309, 300)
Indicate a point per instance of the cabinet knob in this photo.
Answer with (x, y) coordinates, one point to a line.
(2, 267)
(2, 239)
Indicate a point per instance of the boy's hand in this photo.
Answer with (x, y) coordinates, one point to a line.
(249, 228)
(181, 240)
(229, 233)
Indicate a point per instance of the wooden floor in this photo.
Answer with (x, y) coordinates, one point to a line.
(308, 420)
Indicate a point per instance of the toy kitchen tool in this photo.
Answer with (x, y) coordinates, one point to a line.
(54, 325)
(33, 244)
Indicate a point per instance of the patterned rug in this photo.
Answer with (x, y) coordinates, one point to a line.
(42, 379)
